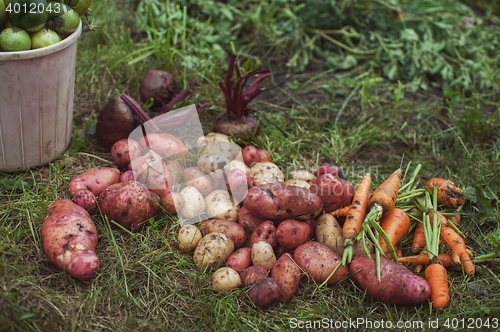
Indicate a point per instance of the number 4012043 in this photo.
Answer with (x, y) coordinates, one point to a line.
(471, 323)
(33, 8)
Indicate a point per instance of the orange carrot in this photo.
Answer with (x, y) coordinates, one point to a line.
(396, 224)
(418, 239)
(455, 243)
(387, 192)
(448, 194)
(342, 212)
(437, 278)
(444, 259)
(356, 214)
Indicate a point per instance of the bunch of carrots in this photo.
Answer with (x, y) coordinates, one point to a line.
(385, 218)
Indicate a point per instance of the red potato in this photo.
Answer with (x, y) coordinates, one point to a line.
(233, 230)
(237, 183)
(172, 202)
(292, 233)
(129, 203)
(166, 145)
(265, 156)
(240, 260)
(128, 176)
(253, 275)
(398, 285)
(94, 180)
(265, 293)
(86, 199)
(327, 168)
(279, 202)
(70, 239)
(250, 155)
(319, 261)
(246, 219)
(198, 179)
(287, 273)
(125, 150)
(265, 232)
(331, 191)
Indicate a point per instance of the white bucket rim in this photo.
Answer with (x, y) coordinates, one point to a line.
(30, 54)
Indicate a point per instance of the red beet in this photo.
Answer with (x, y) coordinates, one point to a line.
(159, 85)
(115, 122)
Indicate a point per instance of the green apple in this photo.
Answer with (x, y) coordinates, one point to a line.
(82, 6)
(79, 6)
(3, 12)
(43, 38)
(15, 39)
(65, 22)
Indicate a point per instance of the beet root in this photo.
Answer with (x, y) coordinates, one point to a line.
(115, 122)
(159, 85)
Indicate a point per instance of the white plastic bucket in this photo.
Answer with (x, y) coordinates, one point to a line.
(36, 104)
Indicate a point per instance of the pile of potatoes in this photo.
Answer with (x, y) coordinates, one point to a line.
(238, 208)
(281, 234)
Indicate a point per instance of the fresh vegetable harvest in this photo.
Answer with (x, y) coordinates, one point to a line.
(70, 239)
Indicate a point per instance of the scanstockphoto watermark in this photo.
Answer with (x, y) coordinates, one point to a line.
(357, 323)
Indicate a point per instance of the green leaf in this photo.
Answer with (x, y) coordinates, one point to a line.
(250, 66)
(409, 35)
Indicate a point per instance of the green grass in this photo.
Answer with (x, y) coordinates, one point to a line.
(355, 116)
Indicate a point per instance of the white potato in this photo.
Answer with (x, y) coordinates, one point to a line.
(213, 247)
(263, 255)
(194, 203)
(302, 175)
(189, 237)
(221, 205)
(298, 183)
(265, 172)
(211, 138)
(226, 279)
(213, 164)
(237, 164)
(329, 232)
(216, 143)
